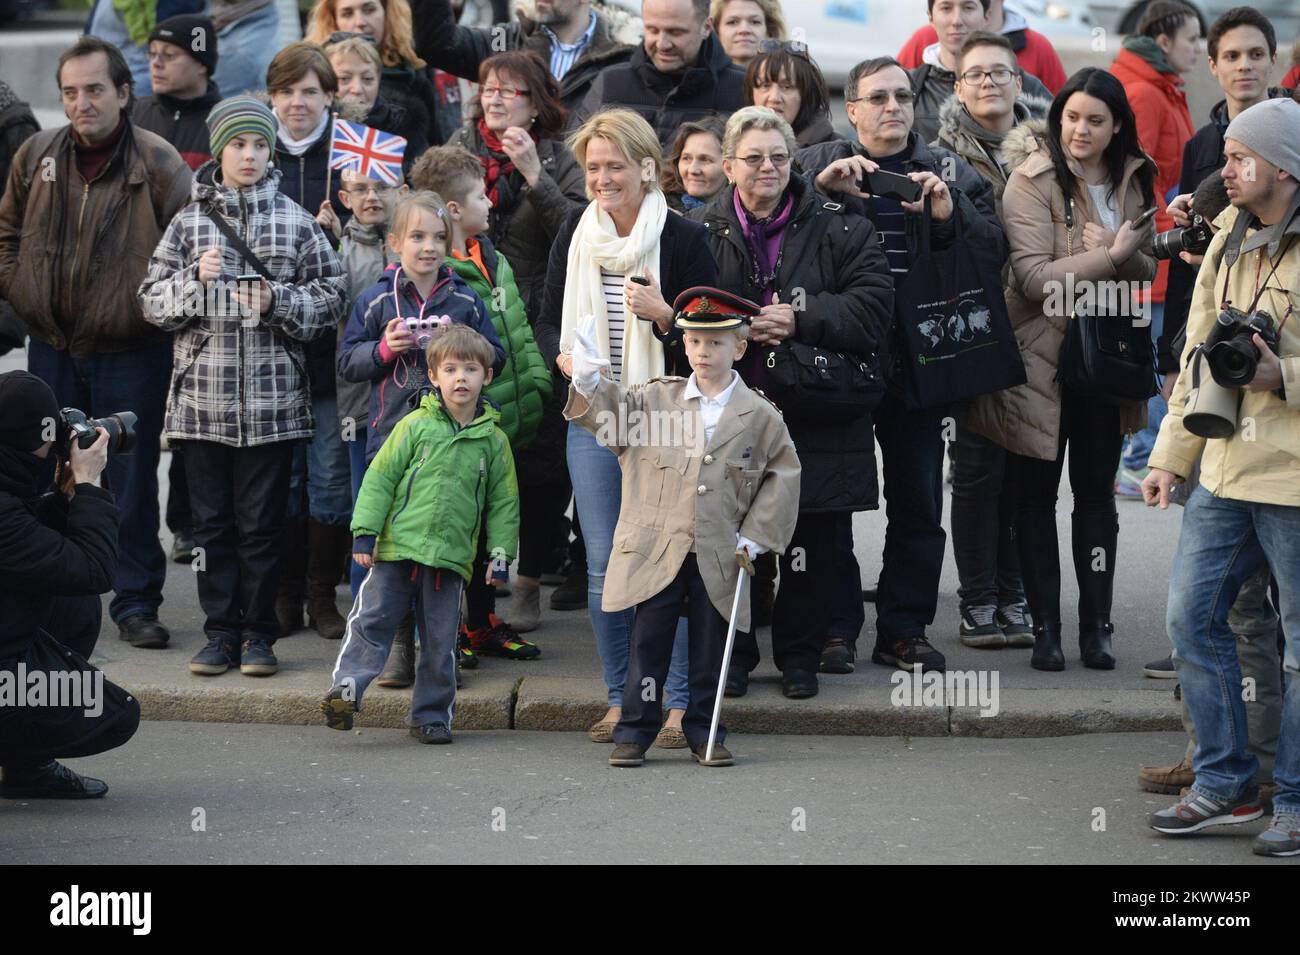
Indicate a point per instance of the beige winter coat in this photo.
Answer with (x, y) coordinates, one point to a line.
(1027, 419)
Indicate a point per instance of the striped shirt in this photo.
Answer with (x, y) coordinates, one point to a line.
(612, 282)
(890, 219)
(564, 55)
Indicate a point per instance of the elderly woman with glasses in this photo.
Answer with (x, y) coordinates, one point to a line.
(822, 280)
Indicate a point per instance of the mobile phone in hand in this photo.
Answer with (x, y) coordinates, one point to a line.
(248, 278)
(890, 185)
(640, 280)
(1144, 218)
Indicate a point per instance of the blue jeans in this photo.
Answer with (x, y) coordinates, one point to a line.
(247, 47)
(106, 23)
(597, 494)
(321, 466)
(100, 385)
(357, 465)
(1223, 544)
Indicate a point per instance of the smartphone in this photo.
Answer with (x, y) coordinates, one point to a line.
(248, 278)
(640, 280)
(1144, 218)
(890, 185)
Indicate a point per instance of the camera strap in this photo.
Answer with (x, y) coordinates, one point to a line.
(1260, 289)
(239, 244)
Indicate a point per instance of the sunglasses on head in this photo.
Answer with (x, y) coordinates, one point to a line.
(341, 35)
(793, 47)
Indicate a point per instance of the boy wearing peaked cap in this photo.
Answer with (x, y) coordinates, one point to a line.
(710, 481)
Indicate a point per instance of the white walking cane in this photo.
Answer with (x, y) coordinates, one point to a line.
(746, 570)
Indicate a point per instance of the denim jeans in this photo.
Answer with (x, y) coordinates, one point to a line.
(106, 23)
(247, 47)
(983, 523)
(911, 452)
(597, 494)
(1223, 544)
(100, 385)
(322, 472)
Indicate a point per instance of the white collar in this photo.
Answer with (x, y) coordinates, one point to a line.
(692, 389)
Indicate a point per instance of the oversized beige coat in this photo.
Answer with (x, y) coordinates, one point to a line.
(1027, 419)
(679, 497)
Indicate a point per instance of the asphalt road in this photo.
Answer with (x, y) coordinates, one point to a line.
(274, 794)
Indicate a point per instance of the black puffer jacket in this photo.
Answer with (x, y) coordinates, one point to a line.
(982, 230)
(302, 179)
(17, 125)
(460, 49)
(834, 258)
(50, 547)
(526, 221)
(182, 122)
(712, 86)
(416, 95)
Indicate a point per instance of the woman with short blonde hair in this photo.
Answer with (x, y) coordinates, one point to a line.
(622, 258)
(743, 25)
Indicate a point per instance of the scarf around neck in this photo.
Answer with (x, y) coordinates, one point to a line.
(296, 147)
(597, 245)
(1147, 48)
(495, 162)
(763, 238)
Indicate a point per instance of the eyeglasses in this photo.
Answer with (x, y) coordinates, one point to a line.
(341, 35)
(361, 189)
(507, 93)
(164, 56)
(1000, 76)
(881, 97)
(793, 47)
(755, 161)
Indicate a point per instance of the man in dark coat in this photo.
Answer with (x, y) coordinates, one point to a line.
(911, 441)
(57, 553)
(182, 58)
(17, 124)
(680, 73)
(574, 40)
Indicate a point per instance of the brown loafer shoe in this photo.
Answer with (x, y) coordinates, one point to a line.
(627, 754)
(1170, 780)
(721, 755)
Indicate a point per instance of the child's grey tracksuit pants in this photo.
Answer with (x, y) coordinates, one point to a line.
(383, 599)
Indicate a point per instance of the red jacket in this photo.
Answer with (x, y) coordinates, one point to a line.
(1292, 79)
(1163, 126)
(1037, 56)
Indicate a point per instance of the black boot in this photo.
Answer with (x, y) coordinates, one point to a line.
(50, 780)
(1040, 566)
(293, 571)
(399, 671)
(1047, 653)
(325, 543)
(1094, 540)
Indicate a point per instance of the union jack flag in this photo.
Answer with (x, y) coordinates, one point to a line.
(373, 153)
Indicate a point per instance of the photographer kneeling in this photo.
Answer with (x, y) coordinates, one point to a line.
(1236, 407)
(57, 554)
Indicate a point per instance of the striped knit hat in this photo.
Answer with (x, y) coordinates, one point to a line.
(237, 116)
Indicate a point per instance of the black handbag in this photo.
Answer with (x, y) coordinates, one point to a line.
(810, 382)
(1105, 357)
(951, 316)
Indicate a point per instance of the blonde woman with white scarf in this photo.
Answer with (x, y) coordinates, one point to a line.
(624, 234)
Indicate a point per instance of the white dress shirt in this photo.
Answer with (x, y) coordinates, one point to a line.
(710, 408)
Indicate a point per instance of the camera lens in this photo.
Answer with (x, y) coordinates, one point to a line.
(1232, 363)
(1167, 245)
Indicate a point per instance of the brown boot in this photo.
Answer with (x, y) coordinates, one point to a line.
(399, 671)
(1169, 780)
(325, 542)
(293, 566)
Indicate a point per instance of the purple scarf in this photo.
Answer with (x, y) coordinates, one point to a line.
(763, 237)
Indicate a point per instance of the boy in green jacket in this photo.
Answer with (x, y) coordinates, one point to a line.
(443, 473)
(522, 388)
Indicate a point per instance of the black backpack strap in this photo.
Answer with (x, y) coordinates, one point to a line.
(240, 245)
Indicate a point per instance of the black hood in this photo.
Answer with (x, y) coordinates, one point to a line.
(23, 474)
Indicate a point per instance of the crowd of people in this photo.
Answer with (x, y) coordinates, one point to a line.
(391, 375)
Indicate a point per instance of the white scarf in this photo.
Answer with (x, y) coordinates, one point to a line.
(596, 244)
(296, 147)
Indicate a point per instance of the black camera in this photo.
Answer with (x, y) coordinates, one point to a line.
(1194, 238)
(1229, 350)
(75, 426)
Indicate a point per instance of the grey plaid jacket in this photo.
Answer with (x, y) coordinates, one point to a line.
(242, 380)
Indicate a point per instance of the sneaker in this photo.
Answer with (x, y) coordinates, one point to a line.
(1128, 483)
(51, 780)
(627, 754)
(217, 657)
(1196, 811)
(1161, 669)
(338, 711)
(465, 659)
(1281, 838)
(1169, 780)
(979, 628)
(1016, 625)
(909, 653)
(837, 656)
(436, 734)
(256, 659)
(499, 639)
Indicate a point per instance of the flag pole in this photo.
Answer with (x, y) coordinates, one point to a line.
(329, 166)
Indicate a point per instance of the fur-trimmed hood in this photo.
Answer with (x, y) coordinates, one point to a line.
(952, 131)
(1025, 142)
